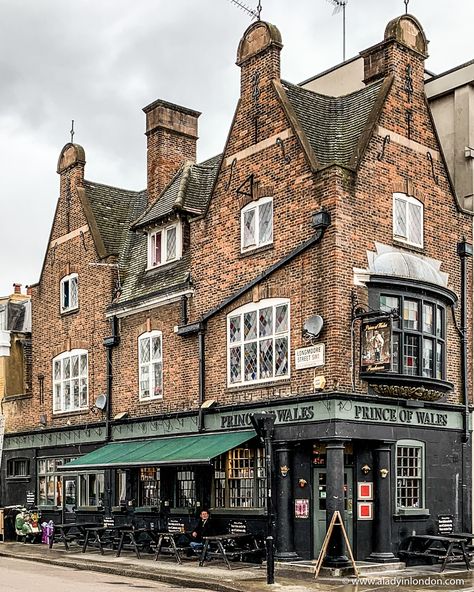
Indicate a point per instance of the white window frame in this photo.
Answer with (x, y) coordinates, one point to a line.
(256, 307)
(164, 240)
(68, 279)
(63, 381)
(420, 509)
(254, 205)
(150, 335)
(410, 202)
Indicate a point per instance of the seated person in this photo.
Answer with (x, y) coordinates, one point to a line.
(204, 528)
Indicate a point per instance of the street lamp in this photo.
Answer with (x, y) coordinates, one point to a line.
(263, 424)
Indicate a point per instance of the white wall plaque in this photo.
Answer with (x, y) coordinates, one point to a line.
(310, 357)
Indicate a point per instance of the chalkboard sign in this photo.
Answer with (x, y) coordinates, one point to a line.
(30, 498)
(445, 524)
(237, 527)
(175, 525)
(109, 521)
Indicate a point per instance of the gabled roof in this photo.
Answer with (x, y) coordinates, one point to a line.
(113, 210)
(335, 127)
(189, 192)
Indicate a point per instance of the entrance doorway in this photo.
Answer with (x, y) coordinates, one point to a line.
(69, 498)
(319, 506)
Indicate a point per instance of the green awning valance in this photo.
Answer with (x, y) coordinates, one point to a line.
(197, 449)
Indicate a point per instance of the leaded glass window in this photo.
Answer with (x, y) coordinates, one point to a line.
(257, 224)
(258, 342)
(150, 363)
(185, 492)
(69, 293)
(408, 219)
(70, 381)
(164, 245)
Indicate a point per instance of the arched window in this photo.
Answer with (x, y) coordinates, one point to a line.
(69, 293)
(70, 381)
(256, 224)
(258, 342)
(150, 366)
(407, 219)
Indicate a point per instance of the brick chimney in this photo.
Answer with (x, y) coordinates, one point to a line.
(172, 132)
(404, 41)
(17, 288)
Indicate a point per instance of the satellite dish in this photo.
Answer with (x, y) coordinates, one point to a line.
(101, 402)
(313, 326)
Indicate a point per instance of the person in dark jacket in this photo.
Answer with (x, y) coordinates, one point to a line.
(203, 528)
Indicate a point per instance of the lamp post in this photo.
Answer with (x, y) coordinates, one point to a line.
(263, 424)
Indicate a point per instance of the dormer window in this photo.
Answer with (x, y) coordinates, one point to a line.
(69, 293)
(256, 224)
(164, 245)
(407, 219)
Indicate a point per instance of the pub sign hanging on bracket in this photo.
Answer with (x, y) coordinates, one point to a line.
(376, 345)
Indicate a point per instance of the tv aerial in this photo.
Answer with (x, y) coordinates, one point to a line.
(255, 14)
(340, 6)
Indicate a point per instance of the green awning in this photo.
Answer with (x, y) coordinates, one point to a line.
(198, 449)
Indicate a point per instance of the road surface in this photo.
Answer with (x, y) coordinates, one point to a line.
(25, 576)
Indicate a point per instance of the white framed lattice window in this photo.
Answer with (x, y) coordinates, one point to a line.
(410, 468)
(256, 224)
(258, 342)
(70, 381)
(164, 245)
(69, 292)
(150, 366)
(407, 219)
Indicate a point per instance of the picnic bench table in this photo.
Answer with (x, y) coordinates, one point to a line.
(65, 534)
(103, 535)
(173, 547)
(231, 545)
(442, 548)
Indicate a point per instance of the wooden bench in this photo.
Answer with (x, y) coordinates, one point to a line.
(447, 549)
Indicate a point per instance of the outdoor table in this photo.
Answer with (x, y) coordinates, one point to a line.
(133, 534)
(446, 548)
(171, 538)
(64, 530)
(103, 535)
(229, 545)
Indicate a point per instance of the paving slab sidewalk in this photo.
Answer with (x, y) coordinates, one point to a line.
(242, 577)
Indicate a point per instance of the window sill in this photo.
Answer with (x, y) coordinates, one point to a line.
(147, 510)
(90, 509)
(239, 511)
(84, 411)
(182, 511)
(69, 311)
(412, 513)
(22, 479)
(45, 508)
(256, 250)
(150, 400)
(401, 243)
(259, 385)
(9, 398)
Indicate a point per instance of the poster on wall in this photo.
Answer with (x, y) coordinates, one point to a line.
(301, 508)
(376, 345)
(365, 490)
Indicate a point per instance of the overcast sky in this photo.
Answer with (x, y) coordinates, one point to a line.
(100, 61)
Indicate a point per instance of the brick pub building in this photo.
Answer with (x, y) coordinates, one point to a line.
(316, 271)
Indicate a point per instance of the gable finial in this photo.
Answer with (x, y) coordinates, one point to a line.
(407, 2)
(72, 132)
(259, 9)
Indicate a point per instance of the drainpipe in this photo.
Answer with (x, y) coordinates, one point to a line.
(464, 251)
(202, 376)
(110, 343)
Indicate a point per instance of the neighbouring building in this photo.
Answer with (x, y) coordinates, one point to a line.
(15, 377)
(315, 273)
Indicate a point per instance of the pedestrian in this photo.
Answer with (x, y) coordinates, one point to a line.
(204, 527)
